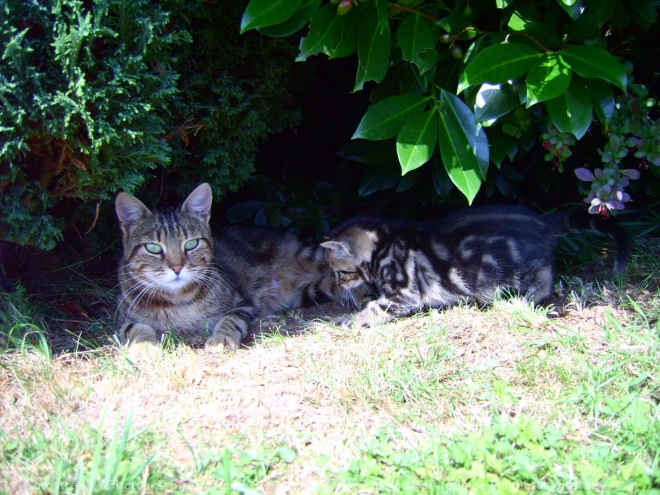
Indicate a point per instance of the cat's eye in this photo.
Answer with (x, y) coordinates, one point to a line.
(153, 248)
(191, 244)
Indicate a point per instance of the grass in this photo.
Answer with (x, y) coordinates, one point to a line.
(508, 400)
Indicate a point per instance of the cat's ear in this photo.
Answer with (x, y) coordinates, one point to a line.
(199, 202)
(129, 210)
(341, 248)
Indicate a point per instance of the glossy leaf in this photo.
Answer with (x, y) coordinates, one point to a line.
(602, 99)
(593, 62)
(572, 111)
(379, 177)
(499, 63)
(261, 13)
(442, 184)
(416, 142)
(415, 36)
(324, 36)
(409, 180)
(383, 8)
(501, 146)
(350, 29)
(547, 79)
(385, 118)
(370, 152)
(494, 101)
(295, 23)
(373, 52)
(463, 145)
(645, 12)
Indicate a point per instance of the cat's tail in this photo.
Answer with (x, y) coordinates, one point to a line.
(574, 221)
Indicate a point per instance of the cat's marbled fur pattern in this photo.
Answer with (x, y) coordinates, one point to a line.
(194, 284)
(467, 256)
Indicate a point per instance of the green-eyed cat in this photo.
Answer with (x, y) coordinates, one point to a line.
(176, 277)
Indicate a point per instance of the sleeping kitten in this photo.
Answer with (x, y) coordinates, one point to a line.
(175, 277)
(467, 256)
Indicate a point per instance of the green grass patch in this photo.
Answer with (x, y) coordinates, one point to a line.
(505, 400)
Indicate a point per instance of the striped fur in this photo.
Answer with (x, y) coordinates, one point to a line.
(194, 284)
(468, 256)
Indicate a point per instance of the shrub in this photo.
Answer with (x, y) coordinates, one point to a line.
(112, 94)
(473, 89)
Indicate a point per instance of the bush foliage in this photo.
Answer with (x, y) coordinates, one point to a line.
(113, 94)
(472, 89)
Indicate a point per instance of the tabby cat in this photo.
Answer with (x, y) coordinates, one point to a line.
(175, 277)
(468, 256)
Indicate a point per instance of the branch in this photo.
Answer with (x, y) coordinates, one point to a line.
(414, 11)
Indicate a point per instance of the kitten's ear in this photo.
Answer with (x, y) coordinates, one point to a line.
(199, 202)
(129, 210)
(341, 248)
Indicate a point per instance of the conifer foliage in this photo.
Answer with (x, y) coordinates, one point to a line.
(105, 95)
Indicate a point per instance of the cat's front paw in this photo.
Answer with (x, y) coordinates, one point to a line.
(344, 321)
(370, 316)
(222, 342)
(142, 350)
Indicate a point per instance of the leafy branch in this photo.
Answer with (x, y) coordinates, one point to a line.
(481, 105)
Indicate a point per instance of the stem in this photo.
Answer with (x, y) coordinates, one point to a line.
(534, 40)
(434, 19)
(414, 11)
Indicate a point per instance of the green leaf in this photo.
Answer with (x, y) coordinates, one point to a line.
(261, 13)
(593, 62)
(415, 36)
(498, 63)
(602, 99)
(442, 184)
(295, 23)
(383, 10)
(416, 142)
(463, 145)
(584, 28)
(379, 177)
(571, 112)
(407, 181)
(602, 10)
(370, 152)
(385, 118)
(350, 29)
(503, 4)
(645, 12)
(324, 36)
(456, 23)
(373, 52)
(549, 78)
(501, 145)
(495, 101)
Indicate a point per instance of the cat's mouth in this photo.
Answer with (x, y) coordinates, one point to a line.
(173, 282)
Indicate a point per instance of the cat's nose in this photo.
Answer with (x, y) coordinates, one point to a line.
(177, 268)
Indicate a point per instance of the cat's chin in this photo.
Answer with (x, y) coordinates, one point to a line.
(173, 286)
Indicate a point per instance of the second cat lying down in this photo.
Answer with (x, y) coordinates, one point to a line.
(467, 256)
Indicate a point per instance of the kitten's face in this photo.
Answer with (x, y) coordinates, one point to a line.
(348, 253)
(168, 251)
